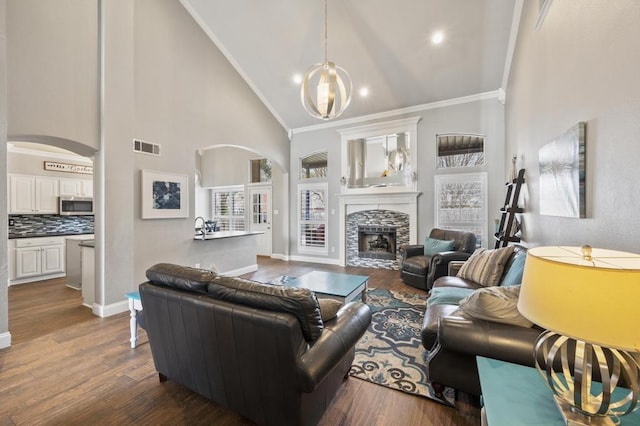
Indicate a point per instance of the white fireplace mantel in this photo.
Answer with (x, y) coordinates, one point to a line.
(405, 202)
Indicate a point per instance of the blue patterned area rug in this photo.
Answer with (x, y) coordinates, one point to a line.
(390, 353)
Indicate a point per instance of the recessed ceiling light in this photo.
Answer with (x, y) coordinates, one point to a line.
(364, 92)
(437, 37)
(297, 78)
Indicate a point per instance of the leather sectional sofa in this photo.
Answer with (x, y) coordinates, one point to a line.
(453, 342)
(261, 350)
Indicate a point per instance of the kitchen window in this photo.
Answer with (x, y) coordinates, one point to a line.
(228, 208)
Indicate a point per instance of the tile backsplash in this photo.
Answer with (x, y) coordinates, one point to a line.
(43, 225)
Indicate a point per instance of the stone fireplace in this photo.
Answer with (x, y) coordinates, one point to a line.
(392, 216)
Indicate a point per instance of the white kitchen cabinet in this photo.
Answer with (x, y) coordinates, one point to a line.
(70, 188)
(87, 188)
(33, 195)
(33, 259)
(76, 187)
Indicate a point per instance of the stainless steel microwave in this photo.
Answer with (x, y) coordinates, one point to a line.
(73, 206)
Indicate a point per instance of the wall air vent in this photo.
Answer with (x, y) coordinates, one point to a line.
(146, 147)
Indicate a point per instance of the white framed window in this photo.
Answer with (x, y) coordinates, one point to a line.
(312, 218)
(461, 203)
(260, 170)
(459, 150)
(228, 207)
(314, 165)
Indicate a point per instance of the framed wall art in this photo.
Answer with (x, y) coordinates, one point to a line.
(164, 195)
(562, 174)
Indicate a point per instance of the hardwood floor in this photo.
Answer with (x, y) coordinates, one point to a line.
(67, 366)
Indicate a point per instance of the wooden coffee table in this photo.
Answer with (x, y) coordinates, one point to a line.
(329, 285)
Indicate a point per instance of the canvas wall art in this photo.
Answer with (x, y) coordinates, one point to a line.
(164, 195)
(562, 174)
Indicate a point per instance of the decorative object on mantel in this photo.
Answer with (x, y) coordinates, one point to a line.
(586, 299)
(164, 195)
(562, 174)
(69, 168)
(332, 89)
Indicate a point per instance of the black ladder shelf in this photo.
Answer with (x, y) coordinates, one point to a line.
(506, 230)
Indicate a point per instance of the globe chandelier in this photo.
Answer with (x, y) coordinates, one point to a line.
(326, 88)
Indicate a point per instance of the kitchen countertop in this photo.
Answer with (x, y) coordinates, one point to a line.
(226, 234)
(48, 234)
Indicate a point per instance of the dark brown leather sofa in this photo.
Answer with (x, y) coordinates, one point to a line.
(421, 271)
(261, 350)
(452, 342)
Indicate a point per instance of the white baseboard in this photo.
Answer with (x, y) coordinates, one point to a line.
(323, 260)
(38, 278)
(104, 311)
(279, 256)
(5, 340)
(240, 271)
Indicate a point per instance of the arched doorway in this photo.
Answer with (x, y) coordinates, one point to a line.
(46, 159)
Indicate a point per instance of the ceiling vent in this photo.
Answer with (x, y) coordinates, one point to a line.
(146, 147)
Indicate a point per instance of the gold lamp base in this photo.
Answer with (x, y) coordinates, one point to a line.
(572, 417)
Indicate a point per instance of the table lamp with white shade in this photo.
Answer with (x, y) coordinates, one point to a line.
(588, 301)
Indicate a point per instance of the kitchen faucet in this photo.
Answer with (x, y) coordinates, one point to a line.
(202, 228)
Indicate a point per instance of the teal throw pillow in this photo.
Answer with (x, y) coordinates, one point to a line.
(447, 295)
(514, 274)
(433, 246)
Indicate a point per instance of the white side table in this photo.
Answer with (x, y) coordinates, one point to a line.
(135, 306)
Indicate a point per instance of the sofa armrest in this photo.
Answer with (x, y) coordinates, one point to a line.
(410, 250)
(338, 338)
(454, 267)
(440, 264)
(474, 337)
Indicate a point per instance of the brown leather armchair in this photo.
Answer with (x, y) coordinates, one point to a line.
(421, 271)
(261, 350)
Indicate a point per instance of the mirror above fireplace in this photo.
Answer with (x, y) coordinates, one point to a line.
(379, 157)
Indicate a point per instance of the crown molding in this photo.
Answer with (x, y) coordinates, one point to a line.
(417, 108)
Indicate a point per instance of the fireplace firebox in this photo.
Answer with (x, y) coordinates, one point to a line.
(377, 242)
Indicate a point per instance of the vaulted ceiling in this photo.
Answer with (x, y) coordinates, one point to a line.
(384, 45)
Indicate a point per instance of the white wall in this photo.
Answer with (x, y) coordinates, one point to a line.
(165, 82)
(54, 92)
(481, 116)
(5, 336)
(582, 65)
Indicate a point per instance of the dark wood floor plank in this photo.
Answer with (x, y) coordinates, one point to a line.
(67, 366)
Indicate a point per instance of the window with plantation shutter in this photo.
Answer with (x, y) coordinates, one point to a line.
(228, 208)
(312, 218)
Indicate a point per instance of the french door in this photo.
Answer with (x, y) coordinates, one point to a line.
(261, 218)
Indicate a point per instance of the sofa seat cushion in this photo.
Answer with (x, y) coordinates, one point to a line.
(486, 266)
(447, 295)
(416, 264)
(300, 302)
(180, 277)
(449, 281)
(430, 323)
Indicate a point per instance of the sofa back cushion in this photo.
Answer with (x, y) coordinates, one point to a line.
(180, 277)
(486, 266)
(300, 302)
(514, 270)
